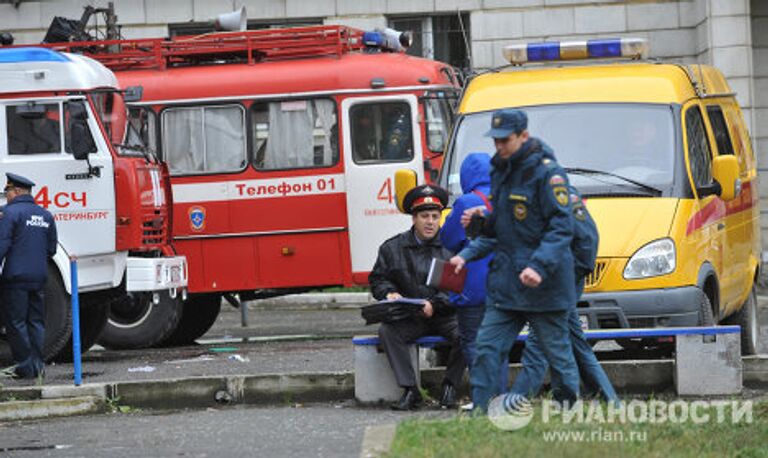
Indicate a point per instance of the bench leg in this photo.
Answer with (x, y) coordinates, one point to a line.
(374, 380)
(708, 365)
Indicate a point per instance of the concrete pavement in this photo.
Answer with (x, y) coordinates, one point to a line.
(308, 430)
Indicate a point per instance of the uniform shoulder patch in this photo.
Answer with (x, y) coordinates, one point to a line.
(556, 180)
(561, 195)
(575, 199)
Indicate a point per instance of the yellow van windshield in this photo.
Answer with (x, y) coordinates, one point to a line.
(626, 148)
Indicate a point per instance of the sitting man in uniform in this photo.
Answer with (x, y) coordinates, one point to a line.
(401, 271)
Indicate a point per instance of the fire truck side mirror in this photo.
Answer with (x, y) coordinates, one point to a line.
(405, 180)
(133, 94)
(79, 141)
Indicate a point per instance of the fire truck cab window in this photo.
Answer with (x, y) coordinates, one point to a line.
(209, 139)
(294, 134)
(381, 132)
(33, 128)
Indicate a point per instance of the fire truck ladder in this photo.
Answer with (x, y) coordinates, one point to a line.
(247, 46)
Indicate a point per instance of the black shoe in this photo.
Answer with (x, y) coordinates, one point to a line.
(410, 400)
(448, 396)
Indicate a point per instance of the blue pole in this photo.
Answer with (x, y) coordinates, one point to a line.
(75, 322)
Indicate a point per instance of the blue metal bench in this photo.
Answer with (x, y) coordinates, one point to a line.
(703, 365)
(590, 334)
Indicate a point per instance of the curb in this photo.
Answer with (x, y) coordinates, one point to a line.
(48, 408)
(377, 440)
(638, 376)
(313, 301)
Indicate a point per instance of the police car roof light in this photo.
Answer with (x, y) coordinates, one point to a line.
(634, 48)
(29, 54)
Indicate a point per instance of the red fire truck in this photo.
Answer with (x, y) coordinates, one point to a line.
(282, 146)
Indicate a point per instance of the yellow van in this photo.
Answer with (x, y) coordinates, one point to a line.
(663, 158)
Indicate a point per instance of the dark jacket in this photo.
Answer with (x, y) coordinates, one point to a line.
(27, 240)
(533, 227)
(585, 235)
(475, 177)
(402, 267)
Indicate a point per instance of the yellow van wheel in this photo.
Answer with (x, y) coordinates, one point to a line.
(706, 316)
(746, 317)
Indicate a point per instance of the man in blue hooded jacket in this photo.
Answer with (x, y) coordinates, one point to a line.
(475, 178)
(531, 279)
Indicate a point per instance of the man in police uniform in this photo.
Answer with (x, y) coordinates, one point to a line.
(27, 241)
(531, 279)
(401, 271)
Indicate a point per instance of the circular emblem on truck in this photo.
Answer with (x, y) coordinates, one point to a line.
(197, 218)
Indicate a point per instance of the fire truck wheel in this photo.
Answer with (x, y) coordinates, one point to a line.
(58, 315)
(94, 312)
(135, 321)
(200, 312)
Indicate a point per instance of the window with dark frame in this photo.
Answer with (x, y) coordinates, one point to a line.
(33, 128)
(699, 153)
(204, 139)
(440, 37)
(720, 130)
(294, 134)
(381, 132)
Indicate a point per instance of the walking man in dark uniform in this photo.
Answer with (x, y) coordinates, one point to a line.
(401, 271)
(531, 279)
(27, 241)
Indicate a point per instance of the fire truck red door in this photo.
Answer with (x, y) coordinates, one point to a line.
(381, 135)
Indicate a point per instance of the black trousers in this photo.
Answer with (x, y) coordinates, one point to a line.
(24, 316)
(396, 336)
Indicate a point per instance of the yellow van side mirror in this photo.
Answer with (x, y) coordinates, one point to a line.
(725, 169)
(405, 180)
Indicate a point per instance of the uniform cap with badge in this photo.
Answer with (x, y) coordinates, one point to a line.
(507, 122)
(18, 181)
(425, 197)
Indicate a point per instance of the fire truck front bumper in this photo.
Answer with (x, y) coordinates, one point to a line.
(157, 274)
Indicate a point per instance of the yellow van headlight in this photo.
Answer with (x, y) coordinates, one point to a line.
(654, 259)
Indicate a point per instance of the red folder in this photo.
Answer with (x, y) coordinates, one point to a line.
(443, 276)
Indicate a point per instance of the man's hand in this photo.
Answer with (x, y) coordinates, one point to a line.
(530, 278)
(458, 262)
(393, 296)
(466, 217)
(428, 310)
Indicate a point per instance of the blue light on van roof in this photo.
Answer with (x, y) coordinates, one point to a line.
(604, 48)
(543, 51)
(19, 55)
(633, 48)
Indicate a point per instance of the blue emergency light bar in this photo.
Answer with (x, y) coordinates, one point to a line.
(20, 55)
(387, 40)
(632, 48)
